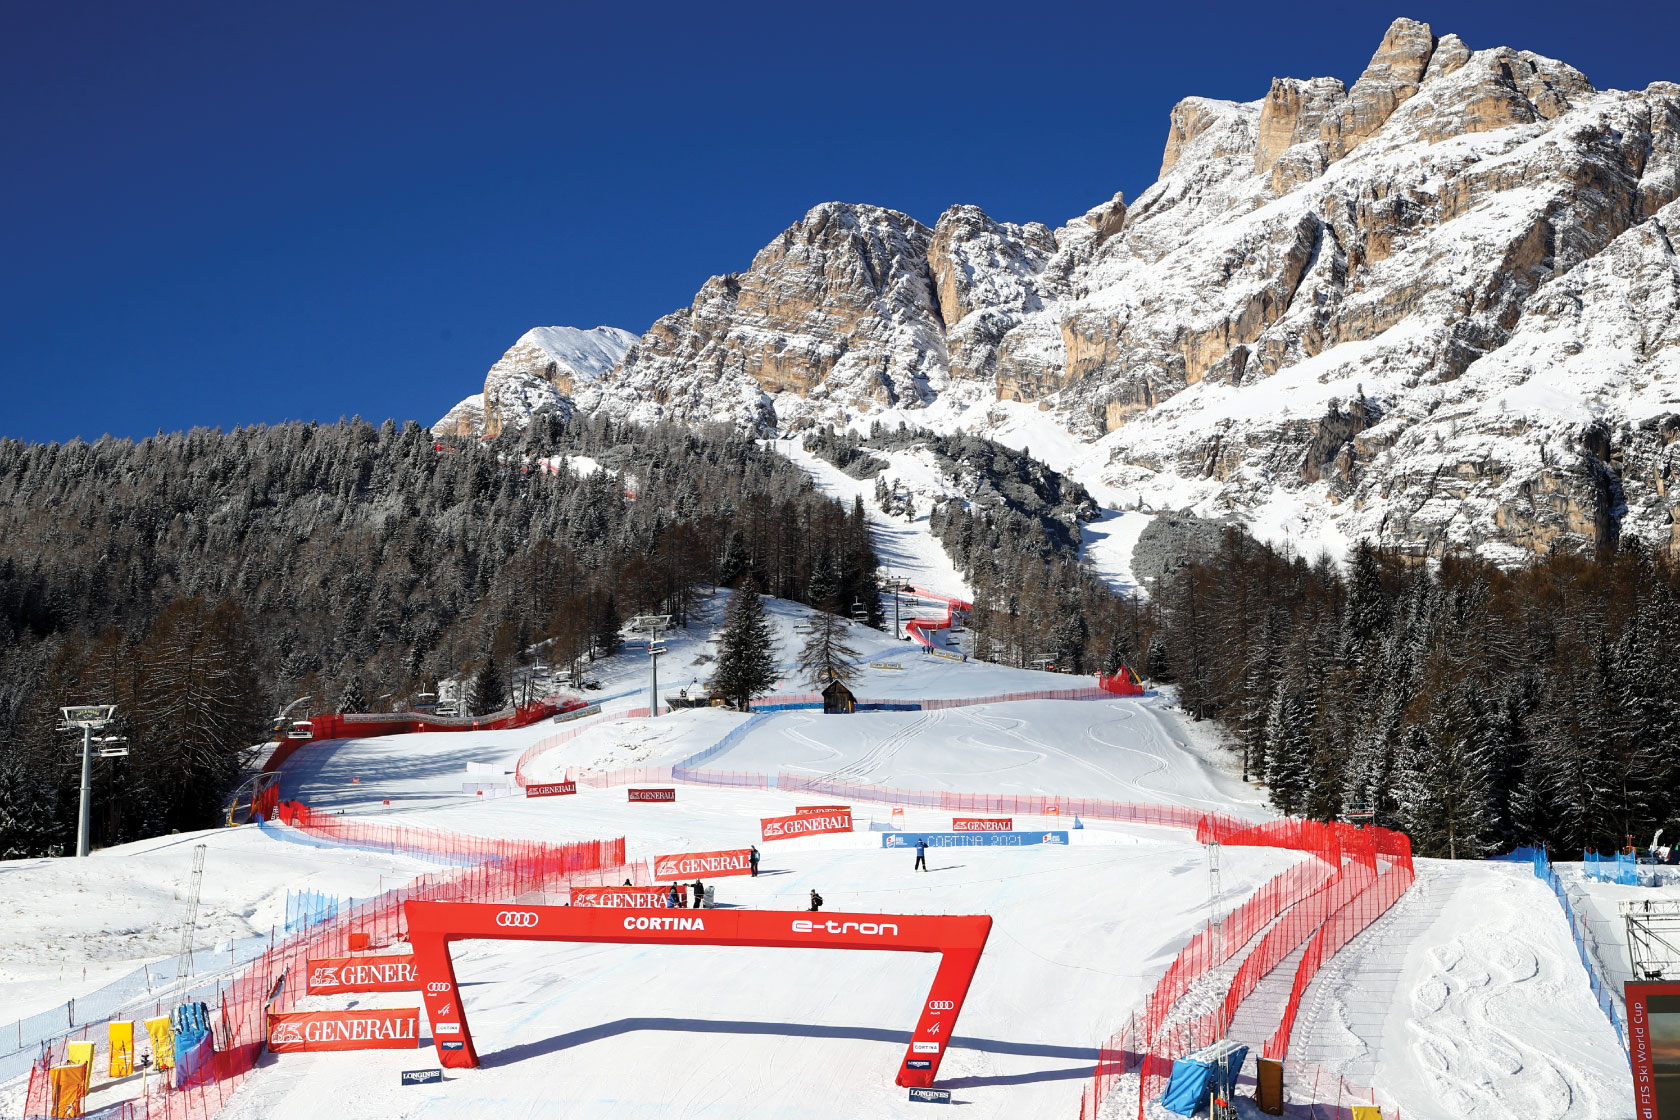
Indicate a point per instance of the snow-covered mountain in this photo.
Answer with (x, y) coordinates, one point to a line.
(1439, 308)
(543, 370)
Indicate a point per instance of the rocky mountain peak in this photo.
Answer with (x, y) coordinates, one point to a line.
(1308, 322)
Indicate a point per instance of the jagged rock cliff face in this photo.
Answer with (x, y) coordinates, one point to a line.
(1439, 308)
(542, 371)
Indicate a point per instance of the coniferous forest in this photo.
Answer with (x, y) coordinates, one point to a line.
(1473, 707)
(202, 580)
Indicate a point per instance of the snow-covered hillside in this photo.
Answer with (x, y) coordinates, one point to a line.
(1421, 1005)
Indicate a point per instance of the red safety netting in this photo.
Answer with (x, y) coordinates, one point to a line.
(1357, 875)
(503, 870)
(1349, 919)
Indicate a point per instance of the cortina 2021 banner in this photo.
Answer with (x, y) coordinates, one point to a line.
(806, 824)
(686, 865)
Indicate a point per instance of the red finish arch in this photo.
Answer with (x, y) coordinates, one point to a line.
(958, 940)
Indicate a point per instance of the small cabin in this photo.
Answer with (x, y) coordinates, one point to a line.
(838, 699)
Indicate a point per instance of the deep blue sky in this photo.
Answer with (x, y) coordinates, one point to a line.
(232, 213)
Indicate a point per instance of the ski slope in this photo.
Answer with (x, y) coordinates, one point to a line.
(1466, 1000)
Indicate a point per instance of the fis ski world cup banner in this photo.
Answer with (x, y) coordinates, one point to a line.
(390, 1028)
(653, 795)
(646, 898)
(550, 789)
(394, 973)
(982, 824)
(684, 865)
(972, 839)
(806, 824)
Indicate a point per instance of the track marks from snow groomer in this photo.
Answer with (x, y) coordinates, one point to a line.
(1461, 1011)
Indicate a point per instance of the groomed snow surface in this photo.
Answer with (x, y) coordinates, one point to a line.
(1466, 1001)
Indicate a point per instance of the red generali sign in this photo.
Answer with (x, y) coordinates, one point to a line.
(682, 865)
(653, 794)
(806, 824)
(982, 824)
(394, 973)
(1653, 1028)
(821, 808)
(647, 897)
(550, 789)
(391, 1028)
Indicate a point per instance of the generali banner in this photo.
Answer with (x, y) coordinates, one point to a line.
(682, 865)
(653, 795)
(391, 1028)
(643, 897)
(982, 824)
(806, 824)
(821, 808)
(550, 789)
(394, 973)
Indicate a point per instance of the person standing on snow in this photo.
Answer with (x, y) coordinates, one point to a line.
(921, 855)
(752, 858)
(816, 901)
(699, 894)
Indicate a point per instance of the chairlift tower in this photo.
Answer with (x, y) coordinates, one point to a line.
(87, 719)
(183, 961)
(1216, 924)
(653, 625)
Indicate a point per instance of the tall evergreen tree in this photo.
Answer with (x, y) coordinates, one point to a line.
(746, 659)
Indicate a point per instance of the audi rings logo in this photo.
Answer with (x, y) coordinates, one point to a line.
(516, 919)
(438, 986)
(941, 1004)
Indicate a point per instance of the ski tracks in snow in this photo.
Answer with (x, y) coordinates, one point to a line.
(1467, 1022)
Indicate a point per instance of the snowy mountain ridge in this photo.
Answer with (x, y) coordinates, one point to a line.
(541, 371)
(1438, 309)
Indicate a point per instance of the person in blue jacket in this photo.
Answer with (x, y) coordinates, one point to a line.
(921, 854)
(753, 859)
(675, 901)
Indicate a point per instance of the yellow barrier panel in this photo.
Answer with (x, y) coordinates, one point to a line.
(1367, 1112)
(69, 1089)
(79, 1054)
(121, 1049)
(163, 1042)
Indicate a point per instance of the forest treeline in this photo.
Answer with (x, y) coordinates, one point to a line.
(1473, 707)
(201, 580)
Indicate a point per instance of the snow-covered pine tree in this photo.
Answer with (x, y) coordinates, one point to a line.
(1442, 778)
(353, 698)
(1288, 758)
(746, 660)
